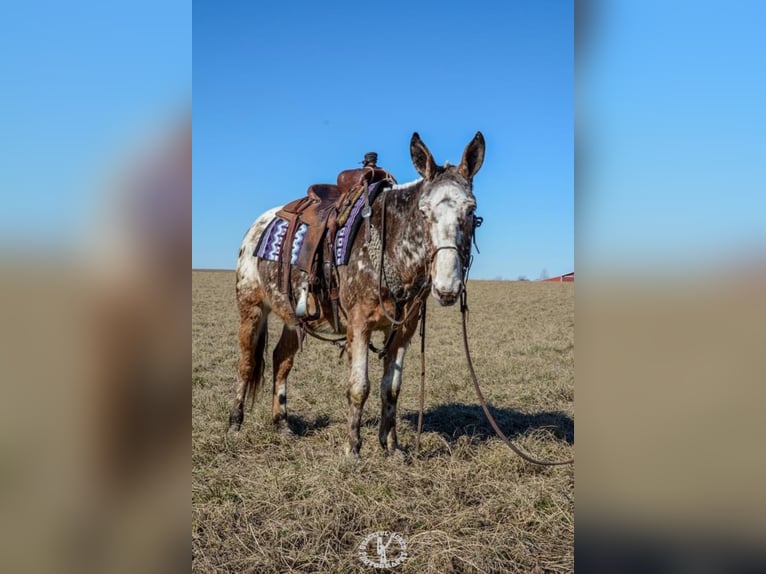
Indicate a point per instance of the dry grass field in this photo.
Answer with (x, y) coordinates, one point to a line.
(263, 503)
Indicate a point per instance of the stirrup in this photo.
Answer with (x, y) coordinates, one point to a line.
(301, 308)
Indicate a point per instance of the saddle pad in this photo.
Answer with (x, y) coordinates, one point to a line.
(344, 237)
(270, 244)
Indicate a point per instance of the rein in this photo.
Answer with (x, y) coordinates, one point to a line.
(422, 375)
(480, 395)
(469, 362)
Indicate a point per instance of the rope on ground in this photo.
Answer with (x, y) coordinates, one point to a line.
(487, 413)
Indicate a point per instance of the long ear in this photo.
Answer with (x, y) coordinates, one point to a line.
(473, 157)
(421, 158)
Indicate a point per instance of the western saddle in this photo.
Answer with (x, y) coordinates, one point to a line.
(324, 209)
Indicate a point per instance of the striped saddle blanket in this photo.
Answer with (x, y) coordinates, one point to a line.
(272, 240)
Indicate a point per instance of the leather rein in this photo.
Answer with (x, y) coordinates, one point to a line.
(466, 266)
(482, 400)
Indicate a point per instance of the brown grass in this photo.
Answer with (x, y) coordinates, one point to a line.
(265, 503)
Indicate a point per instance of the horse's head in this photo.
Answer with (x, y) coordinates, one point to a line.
(448, 204)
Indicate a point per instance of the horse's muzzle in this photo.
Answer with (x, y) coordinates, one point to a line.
(446, 298)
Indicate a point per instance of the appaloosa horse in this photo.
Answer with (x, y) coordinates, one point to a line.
(420, 238)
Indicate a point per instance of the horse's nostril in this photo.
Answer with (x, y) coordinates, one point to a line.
(447, 293)
(446, 297)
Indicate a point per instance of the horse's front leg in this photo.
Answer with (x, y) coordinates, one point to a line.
(391, 383)
(359, 384)
(389, 395)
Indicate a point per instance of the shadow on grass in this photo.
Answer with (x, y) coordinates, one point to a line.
(454, 420)
(306, 427)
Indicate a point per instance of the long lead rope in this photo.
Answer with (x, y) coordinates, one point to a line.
(487, 413)
(422, 375)
(472, 372)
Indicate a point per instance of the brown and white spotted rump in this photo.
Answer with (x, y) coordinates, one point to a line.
(426, 244)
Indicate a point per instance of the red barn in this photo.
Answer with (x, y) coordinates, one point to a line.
(567, 278)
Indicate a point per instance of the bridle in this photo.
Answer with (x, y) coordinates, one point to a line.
(463, 254)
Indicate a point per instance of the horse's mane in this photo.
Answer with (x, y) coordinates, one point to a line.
(408, 185)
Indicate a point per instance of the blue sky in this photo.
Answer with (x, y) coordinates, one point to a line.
(287, 94)
(80, 80)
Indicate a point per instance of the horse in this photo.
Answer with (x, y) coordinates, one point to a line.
(419, 242)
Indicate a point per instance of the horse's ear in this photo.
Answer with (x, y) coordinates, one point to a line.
(421, 158)
(473, 157)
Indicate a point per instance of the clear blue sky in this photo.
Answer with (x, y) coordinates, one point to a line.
(79, 81)
(289, 93)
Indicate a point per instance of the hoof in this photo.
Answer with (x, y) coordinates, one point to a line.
(235, 421)
(283, 428)
(397, 454)
(351, 454)
(391, 448)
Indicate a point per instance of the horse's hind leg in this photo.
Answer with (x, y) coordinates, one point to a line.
(284, 355)
(253, 334)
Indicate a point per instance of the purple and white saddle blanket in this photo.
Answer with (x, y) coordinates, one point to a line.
(271, 242)
(270, 245)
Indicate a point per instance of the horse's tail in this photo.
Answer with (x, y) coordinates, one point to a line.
(259, 363)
